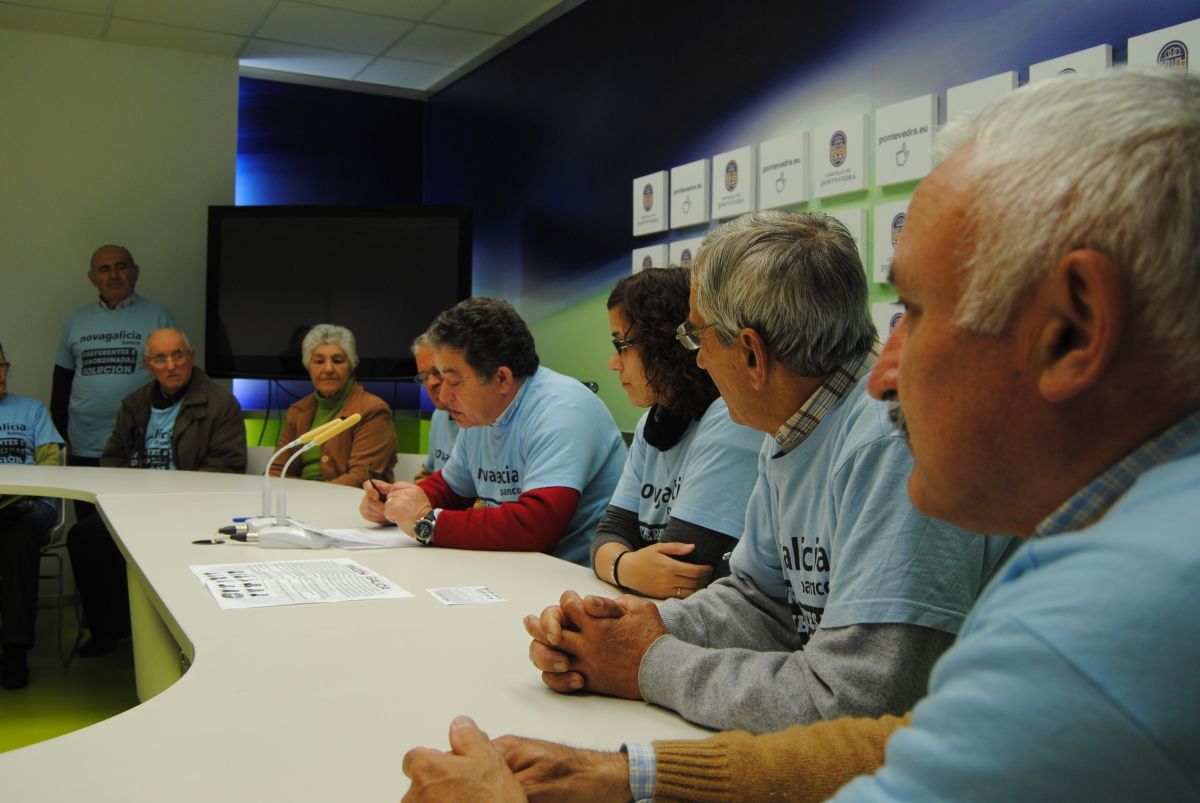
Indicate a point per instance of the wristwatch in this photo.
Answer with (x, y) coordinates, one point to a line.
(423, 529)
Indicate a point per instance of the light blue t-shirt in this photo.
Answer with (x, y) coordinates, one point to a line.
(159, 429)
(442, 434)
(1077, 676)
(704, 479)
(829, 527)
(24, 426)
(555, 433)
(104, 348)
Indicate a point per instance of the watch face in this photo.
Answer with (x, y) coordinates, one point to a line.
(423, 530)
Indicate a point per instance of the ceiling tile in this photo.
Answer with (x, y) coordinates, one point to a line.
(46, 20)
(332, 28)
(398, 72)
(144, 33)
(443, 45)
(488, 15)
(226, 16)
(82, 6)
(405, 9)
(300, 59)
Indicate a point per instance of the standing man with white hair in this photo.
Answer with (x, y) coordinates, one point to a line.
(1044, 377)
(98, 362)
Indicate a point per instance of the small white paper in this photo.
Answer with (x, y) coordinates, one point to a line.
(294, 582)
(465, 595)
(367, 537)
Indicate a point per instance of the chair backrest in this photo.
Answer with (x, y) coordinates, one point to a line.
(58, 533)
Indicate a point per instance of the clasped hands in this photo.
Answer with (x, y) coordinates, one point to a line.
(399, 503)
(594, 643)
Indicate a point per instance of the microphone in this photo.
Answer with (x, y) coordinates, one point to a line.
(254, 524)
(283, 534)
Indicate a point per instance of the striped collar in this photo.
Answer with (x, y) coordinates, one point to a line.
(1090, 503)
(802, 423)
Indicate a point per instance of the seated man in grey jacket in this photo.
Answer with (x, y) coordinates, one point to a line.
(842, 595)
(180, 420)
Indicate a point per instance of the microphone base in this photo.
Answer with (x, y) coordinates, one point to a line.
(290, 537)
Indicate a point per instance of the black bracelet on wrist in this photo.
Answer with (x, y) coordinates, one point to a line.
(616, 560)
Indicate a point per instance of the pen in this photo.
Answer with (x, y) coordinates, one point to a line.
(382, 495)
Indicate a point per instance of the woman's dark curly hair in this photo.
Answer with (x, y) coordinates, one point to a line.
(655, 302)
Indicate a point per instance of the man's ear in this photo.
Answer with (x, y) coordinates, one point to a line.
(753, 352)
(1087, 309)
(504, 376)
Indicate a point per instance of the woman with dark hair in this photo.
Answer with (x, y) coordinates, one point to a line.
(679, 507)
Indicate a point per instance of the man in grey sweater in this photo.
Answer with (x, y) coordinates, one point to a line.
(842, 596)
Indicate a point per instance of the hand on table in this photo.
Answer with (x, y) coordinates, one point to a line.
(406, 503)
(653, 571)
(550, 772)
(473, 770)
(594, 643)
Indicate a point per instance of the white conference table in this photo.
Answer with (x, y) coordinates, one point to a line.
(302, 702)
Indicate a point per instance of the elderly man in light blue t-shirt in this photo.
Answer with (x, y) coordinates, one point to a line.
(99, 357)
(842, 596)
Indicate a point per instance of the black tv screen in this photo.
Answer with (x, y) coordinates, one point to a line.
(382, 272)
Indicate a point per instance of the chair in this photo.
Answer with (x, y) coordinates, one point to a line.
(52, 549)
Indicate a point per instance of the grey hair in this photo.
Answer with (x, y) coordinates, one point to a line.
(329, 333)
(421, 341)
(796, 279)
(1106, 162)
(182, 336)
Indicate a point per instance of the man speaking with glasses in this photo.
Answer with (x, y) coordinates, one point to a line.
(842, 595)
(179, 420)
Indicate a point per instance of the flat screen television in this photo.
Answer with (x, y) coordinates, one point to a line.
(382, 272)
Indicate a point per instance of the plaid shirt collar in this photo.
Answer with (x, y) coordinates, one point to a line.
(802, 423)
(1089, 504)
(122, 304)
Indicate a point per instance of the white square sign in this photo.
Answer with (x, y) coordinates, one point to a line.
(683, 252)
(652, 256)
(1174, 47)
(904, 140)
(886, 314)
(1092, 61)
(650, 203)
(840, 156)
(783, 171)
(689, 194)
(889, 222)
(855, 221)
(966, 98)
(733, 177)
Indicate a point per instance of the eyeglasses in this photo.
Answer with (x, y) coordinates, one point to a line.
(423, 377)
(159, 360)
(621, 345)
(687, 336)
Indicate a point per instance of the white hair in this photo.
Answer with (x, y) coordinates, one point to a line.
(1106, 162)
(421, 341)
(187, 344)
(795, 279)
(329, 333)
